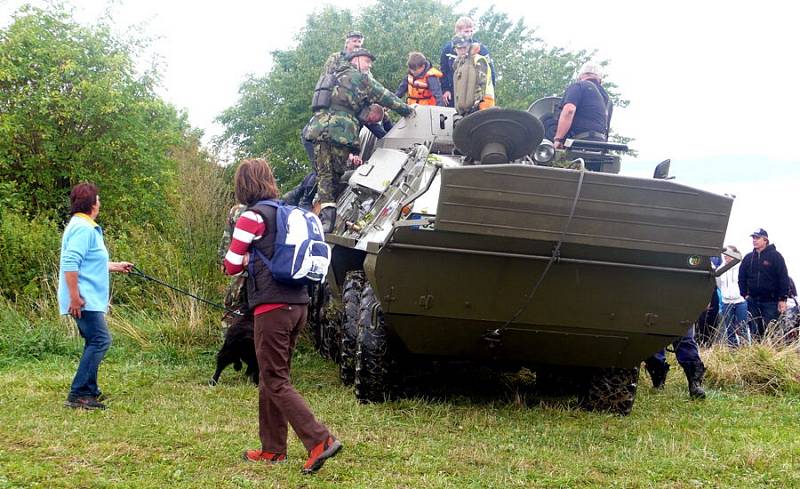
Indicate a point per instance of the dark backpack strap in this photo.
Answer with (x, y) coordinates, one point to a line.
(270, 202)
(609, 104)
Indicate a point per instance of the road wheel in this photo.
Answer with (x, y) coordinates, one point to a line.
(376, 366)
(351, 297)
(612, 390)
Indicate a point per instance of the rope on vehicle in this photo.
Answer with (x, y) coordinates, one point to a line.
(554, 257)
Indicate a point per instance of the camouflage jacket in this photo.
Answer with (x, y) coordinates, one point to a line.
(235, 292)
(483, 84)
(353, 92)
(333, 63)
(227, 233)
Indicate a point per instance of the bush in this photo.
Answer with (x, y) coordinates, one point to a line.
(186, 257)
(28, 250)
(163, 258)
(73, 108)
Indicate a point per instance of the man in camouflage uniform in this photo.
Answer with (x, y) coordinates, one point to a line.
(334, 129)
(236, 292)
(473, 88)
(353, 41)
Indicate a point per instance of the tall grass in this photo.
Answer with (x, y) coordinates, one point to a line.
(24, 336)
(770, 365)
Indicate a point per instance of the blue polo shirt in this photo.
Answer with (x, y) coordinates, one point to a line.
(84, 251)
(589, 99)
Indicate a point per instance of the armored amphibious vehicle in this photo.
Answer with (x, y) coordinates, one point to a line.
(473, 239)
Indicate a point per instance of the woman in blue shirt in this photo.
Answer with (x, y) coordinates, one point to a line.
(83, 290)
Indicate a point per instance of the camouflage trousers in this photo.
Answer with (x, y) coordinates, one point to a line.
(235, 299)
(331, 162)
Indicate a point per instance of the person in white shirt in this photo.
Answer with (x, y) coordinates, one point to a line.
(734, 306)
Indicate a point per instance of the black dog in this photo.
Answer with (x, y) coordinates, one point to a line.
(239, 347)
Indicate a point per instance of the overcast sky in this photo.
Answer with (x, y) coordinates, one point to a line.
(711, 83)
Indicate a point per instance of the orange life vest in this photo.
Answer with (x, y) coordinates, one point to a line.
(418, 89)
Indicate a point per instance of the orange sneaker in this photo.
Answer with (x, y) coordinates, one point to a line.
(262, 456)
(320, 453)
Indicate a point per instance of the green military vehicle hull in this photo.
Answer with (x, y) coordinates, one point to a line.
(515, 264)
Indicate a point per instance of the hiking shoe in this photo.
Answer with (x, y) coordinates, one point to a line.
(84, 403)
(262, 456)
(320, 453)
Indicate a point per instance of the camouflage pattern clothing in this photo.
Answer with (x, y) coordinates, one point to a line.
(482, 88)
(331, 163)
(334, 62)
(336, 128)
(236, 292)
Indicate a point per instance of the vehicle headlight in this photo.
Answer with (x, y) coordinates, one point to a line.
(544, 152)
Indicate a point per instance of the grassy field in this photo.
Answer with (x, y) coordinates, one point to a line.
(166, 428)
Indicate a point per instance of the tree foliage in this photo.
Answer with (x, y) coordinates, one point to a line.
(273, 108)
(73, 108)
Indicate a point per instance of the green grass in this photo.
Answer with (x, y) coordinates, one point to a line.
(166, 428)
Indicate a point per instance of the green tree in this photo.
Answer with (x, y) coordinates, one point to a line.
(73, 108)
(273, 108)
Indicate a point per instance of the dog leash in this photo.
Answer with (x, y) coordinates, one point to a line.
(139, 273)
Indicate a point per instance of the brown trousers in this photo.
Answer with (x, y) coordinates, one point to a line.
(279, 404)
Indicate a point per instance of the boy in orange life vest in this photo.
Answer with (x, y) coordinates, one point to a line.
(422, 85)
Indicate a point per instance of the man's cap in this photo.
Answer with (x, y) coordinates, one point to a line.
(352, 34)
(760, 232)
(461, 41)
(590, 68)
(359, 52)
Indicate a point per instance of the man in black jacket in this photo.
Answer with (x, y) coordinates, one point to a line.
(763, 282)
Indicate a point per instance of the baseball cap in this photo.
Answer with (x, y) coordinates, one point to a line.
(760, 232)
(460, 41)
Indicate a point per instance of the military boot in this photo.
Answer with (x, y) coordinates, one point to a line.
(327, 215)
(694, 375)
(658, 372)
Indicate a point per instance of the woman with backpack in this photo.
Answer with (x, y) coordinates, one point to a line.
(280, 312)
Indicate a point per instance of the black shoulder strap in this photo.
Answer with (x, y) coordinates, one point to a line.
(608, 102)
